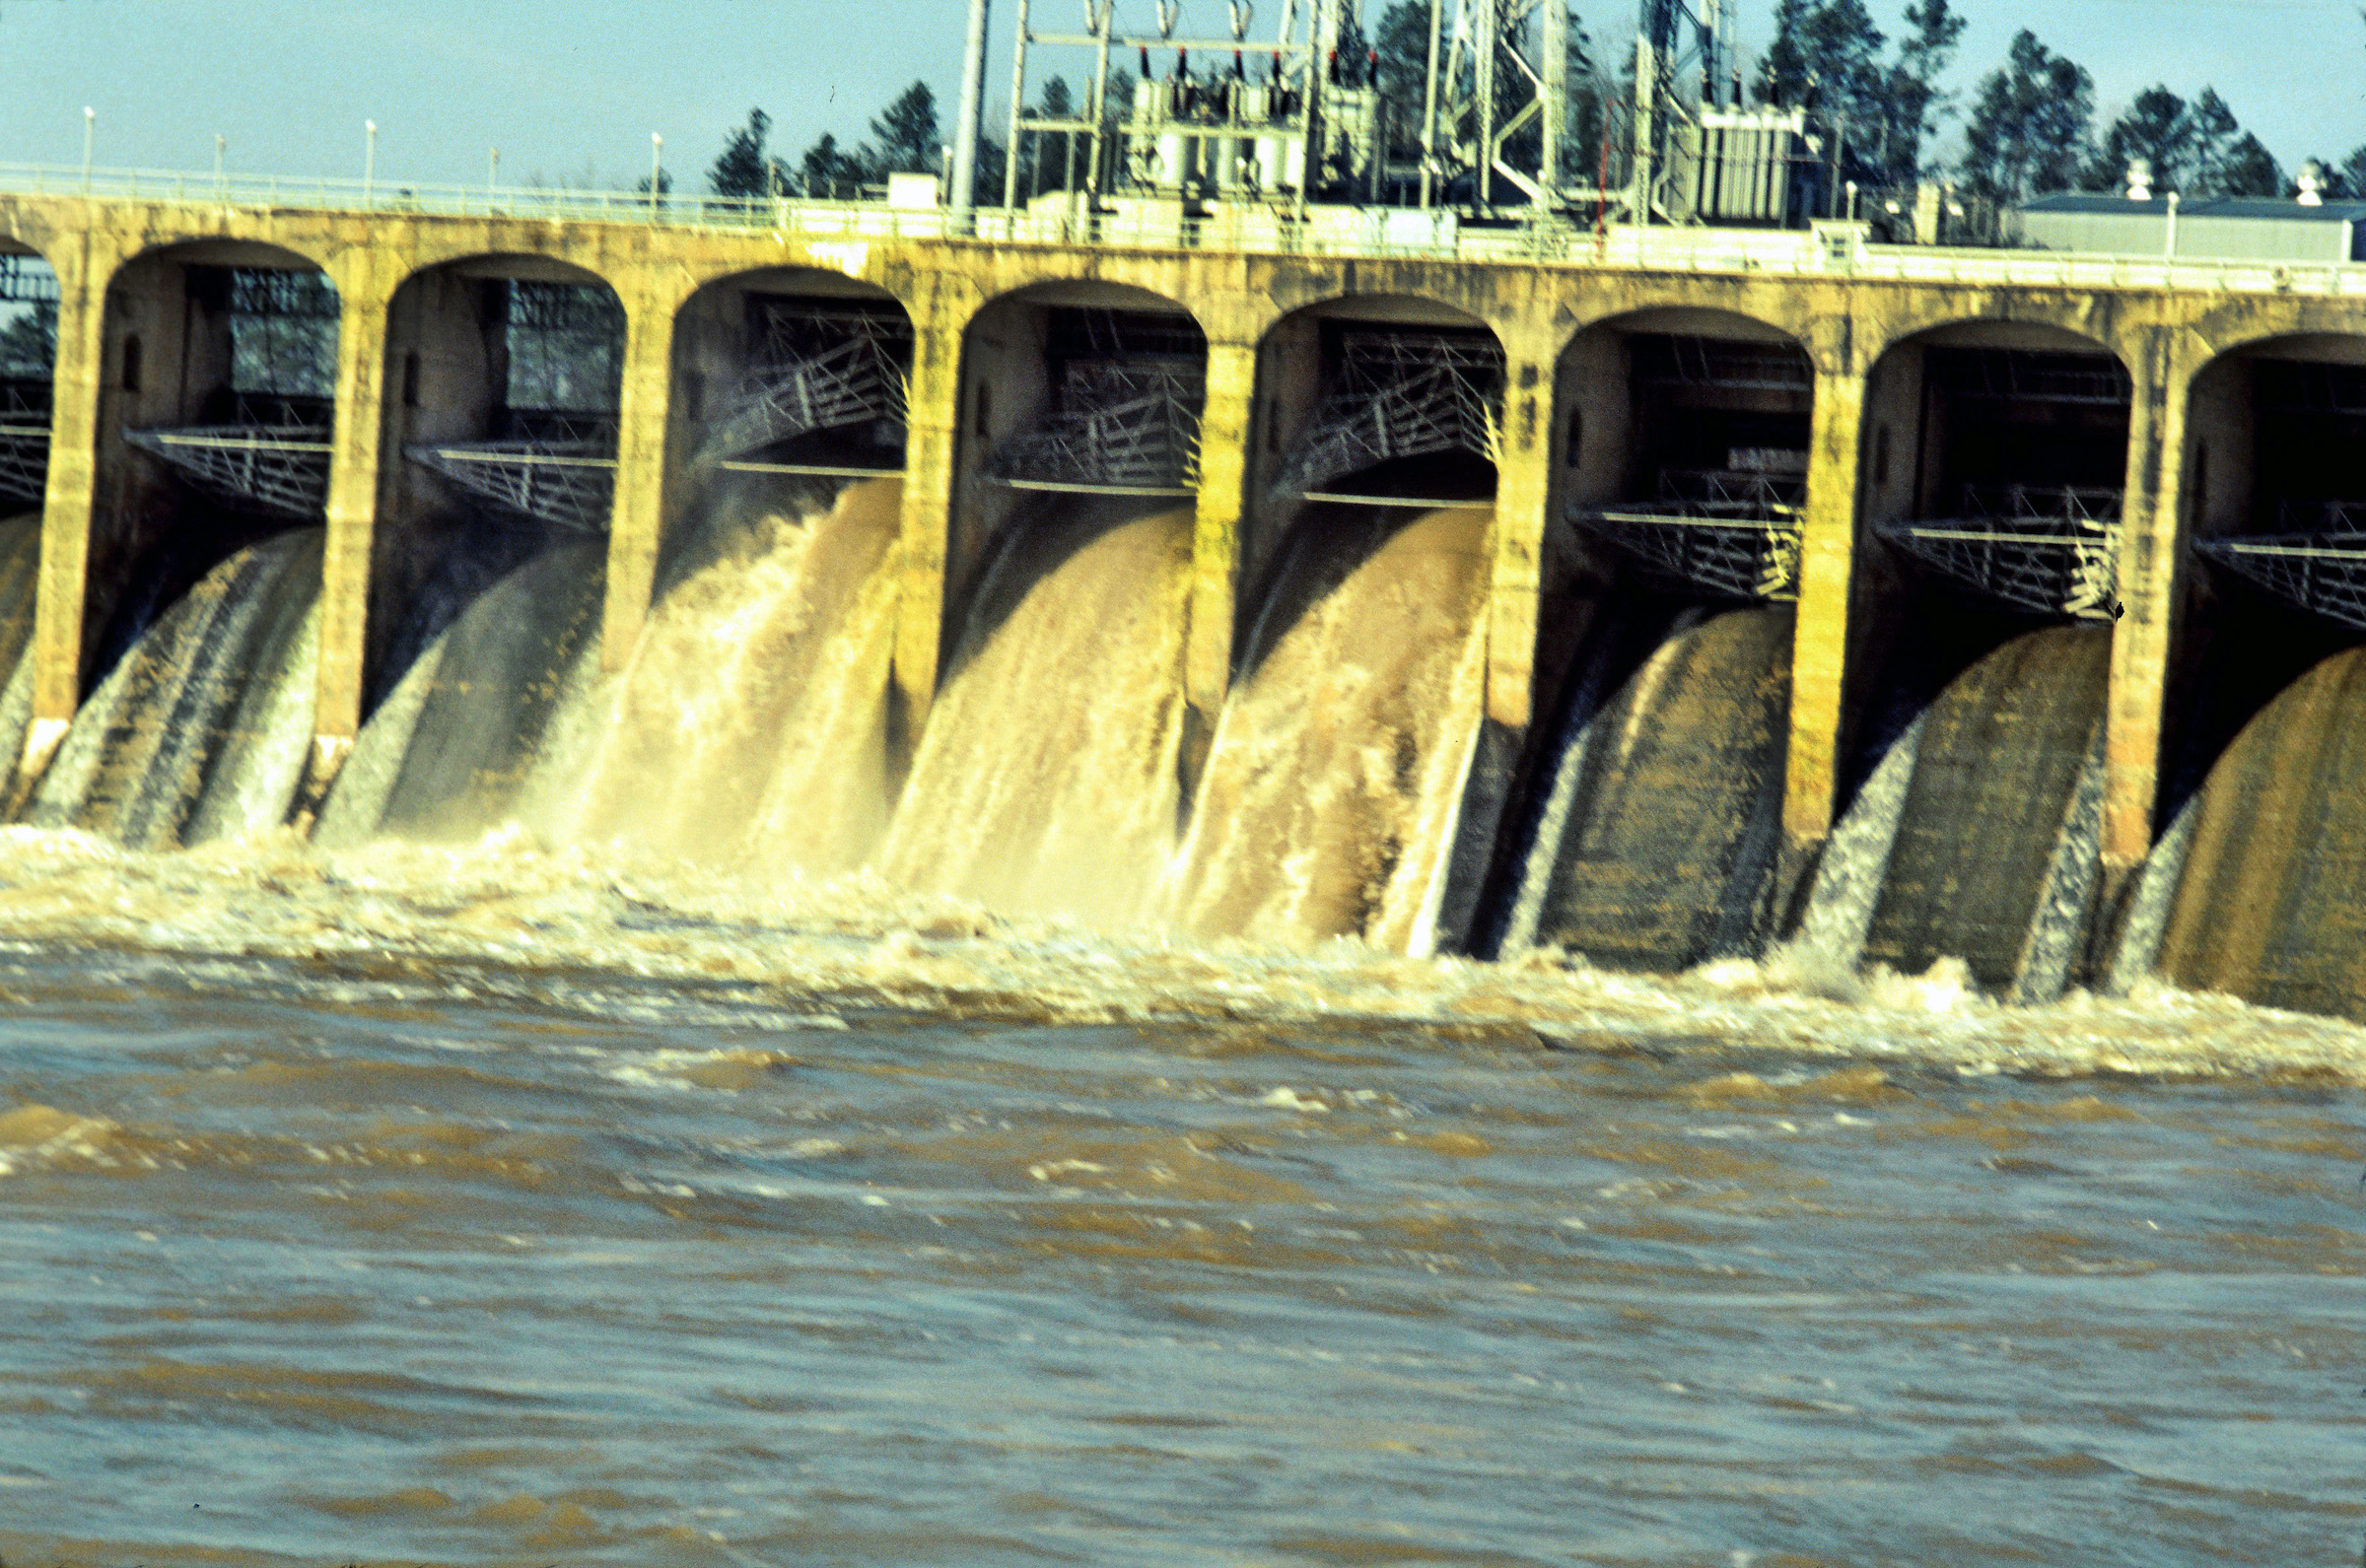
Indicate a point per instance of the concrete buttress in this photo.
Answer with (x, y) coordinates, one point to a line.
(1523, 506)
(932, 432)
(355, 458)
(2148, 589)
(83, 272)
(637, 523)
(1225, 435)
(1820, 630)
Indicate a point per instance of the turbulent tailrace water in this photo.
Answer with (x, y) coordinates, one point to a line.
(654, 1121)
(500, 1208)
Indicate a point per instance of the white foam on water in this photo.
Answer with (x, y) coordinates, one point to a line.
(502, 916)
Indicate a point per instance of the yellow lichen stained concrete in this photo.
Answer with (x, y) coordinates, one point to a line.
(1536, 308)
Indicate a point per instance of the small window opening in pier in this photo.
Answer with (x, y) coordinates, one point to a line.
(131, 363)
(1577, 442)
(982, 409)
(694, 395)
(1272, 425)
(1881, 455)
(410, 380)
(2198, 503)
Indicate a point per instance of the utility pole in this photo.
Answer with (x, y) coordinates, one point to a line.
(1553, 98)
(1484, 91)
(1018, 99)
(1430, 108)
(965, 193)
(369, 159)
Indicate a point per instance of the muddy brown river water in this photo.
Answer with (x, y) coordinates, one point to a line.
(520, 1214)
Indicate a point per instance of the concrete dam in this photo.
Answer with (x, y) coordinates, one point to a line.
(1656, 605)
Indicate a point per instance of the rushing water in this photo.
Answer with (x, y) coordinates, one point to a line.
(757, 693)
(444, 1244)
(1655, 848)
(1046, 777)
(1329, 802)
(615, 1139)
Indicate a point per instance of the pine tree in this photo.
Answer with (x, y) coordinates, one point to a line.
(1914, 102)
(741, 168)
(2030, 121)
(2212, 135)
(2248, 169)
(827, 174)
(905, 135)
(2157, 128)
(1048, 153)
(1403, 43)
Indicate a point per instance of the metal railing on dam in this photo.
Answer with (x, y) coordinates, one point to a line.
(1340, 232)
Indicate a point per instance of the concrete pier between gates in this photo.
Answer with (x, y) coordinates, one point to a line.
(410, 366)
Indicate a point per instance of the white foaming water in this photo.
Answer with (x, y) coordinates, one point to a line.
(192, 733)
(750, 723)
(499, 915)
(1333, 785)
(1045, 781)
(254, 785)
(1857, 861)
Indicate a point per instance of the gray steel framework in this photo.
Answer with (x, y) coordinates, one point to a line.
(2053, 549)
(1483, 89)
(1122, 427)
(565, 475)
(2312, 388)
(25, 280)
(23, 443)
(2321, 568)
(2017, 376)
(274, 455)
(858, 380)
(1673, 361)
(1735, 534)
(1399, 395)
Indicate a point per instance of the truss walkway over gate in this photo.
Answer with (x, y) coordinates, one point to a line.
(2321, 566)
(559, 468)
(2051, 549)
(1123, 427)
(1732, 532)
(1398, 394)
(25, 392)
(272, 454)
(814, 371)
(24, 442)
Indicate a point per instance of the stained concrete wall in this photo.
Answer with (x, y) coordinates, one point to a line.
(2164, 335)
(447, 366)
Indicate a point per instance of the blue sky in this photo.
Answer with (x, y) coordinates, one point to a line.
(572, 92)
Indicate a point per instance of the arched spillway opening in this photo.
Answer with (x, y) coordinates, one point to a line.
(28, 372)
(498, 429)
(1047, 775)
(1334, 789)
(203, 572)
(1651, 814)
(749, 724)
(1991, 472)
(27, 369)
(488, 556)
(2261, 861)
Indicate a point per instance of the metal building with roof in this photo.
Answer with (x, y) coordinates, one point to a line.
(2227, 228)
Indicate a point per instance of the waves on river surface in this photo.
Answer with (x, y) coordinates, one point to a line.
(504, 916)
(378, 1255)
